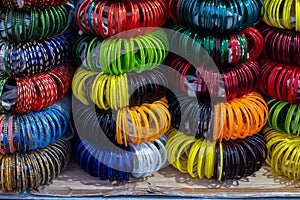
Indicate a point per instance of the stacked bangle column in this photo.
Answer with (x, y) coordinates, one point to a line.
(122, 113)
(34, 76)
(220, 142)
(280, 82)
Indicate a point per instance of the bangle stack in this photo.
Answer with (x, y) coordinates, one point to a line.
(35, 75)
(121, 88)
(218, 139)
(280, 81)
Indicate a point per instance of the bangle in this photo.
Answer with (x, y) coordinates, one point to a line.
(22, 171)
(139, 54)
(238, 80)
(108, 18)
(221, 16)
(231, 48)
(26, 4)
(282, 14)
(115, 92)
(134, 125)
(245, 116)
(283, 152)
(280, 81)
(283, 45)
(34, 23)
(202, 158)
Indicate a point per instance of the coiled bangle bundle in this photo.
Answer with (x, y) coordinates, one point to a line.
(202, 158)
(107, 18)
(229, 48)
(29, 58)
(216, 16)
(280, 81)
(283, 153)
(115, 92)
(282, 14)
(245, 116)
(238, 80)
(25, 4)
(118, 56)
(28, 132)
(284, 116)
(128, 125)
(24, 171)
(283, 45)
(18, 25)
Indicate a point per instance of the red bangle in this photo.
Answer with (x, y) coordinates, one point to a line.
(41, 4)
(108, 18)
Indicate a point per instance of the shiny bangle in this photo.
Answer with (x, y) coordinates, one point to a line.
(231, 48)
(25, 4)
(280, 81)
(134, 125)
(221, 16)
(282, 45)
(283, 152)
(282, 14)
(202, 158)
(35, 23)
(29, 173)
(108, 18)
(115, 92)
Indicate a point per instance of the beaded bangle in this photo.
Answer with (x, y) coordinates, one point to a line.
(110, 91)
(238, 80)
(18, 25)
(128, 125)
(245, 116)
(280, 81)
(283, 45)
(282, 14)
(22, 171)
(29, 58)
(202, 158)
(107, 18)
(229, 48)
(26, 4)
(220, 16)
(118, 56)
(283, 153)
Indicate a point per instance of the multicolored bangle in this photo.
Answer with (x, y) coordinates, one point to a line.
(22, 171)
(115, 92)
(220, 16)
(280, 81)
(118, 56)
(19, 25)
(107, 18)
(26, 4)
(233, 159)
(283, 153)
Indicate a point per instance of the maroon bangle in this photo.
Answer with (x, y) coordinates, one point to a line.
(41, 4)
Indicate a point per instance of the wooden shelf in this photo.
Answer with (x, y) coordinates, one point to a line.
(169, 182)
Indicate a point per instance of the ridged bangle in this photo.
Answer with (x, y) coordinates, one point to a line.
(118, 56)
(220, 16)
(282, 14)
(29, 58)
(19, 25)
(134, 125)
(238, 80)
(233, 159)
(245, 116)
(22, 171)
(229, 48)
(26, 4)
(283, 153)
(281, 45)
(280, 81)
(115, 92)
(107, 18)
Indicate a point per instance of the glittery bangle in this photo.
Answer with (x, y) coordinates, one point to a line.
(25, 4)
